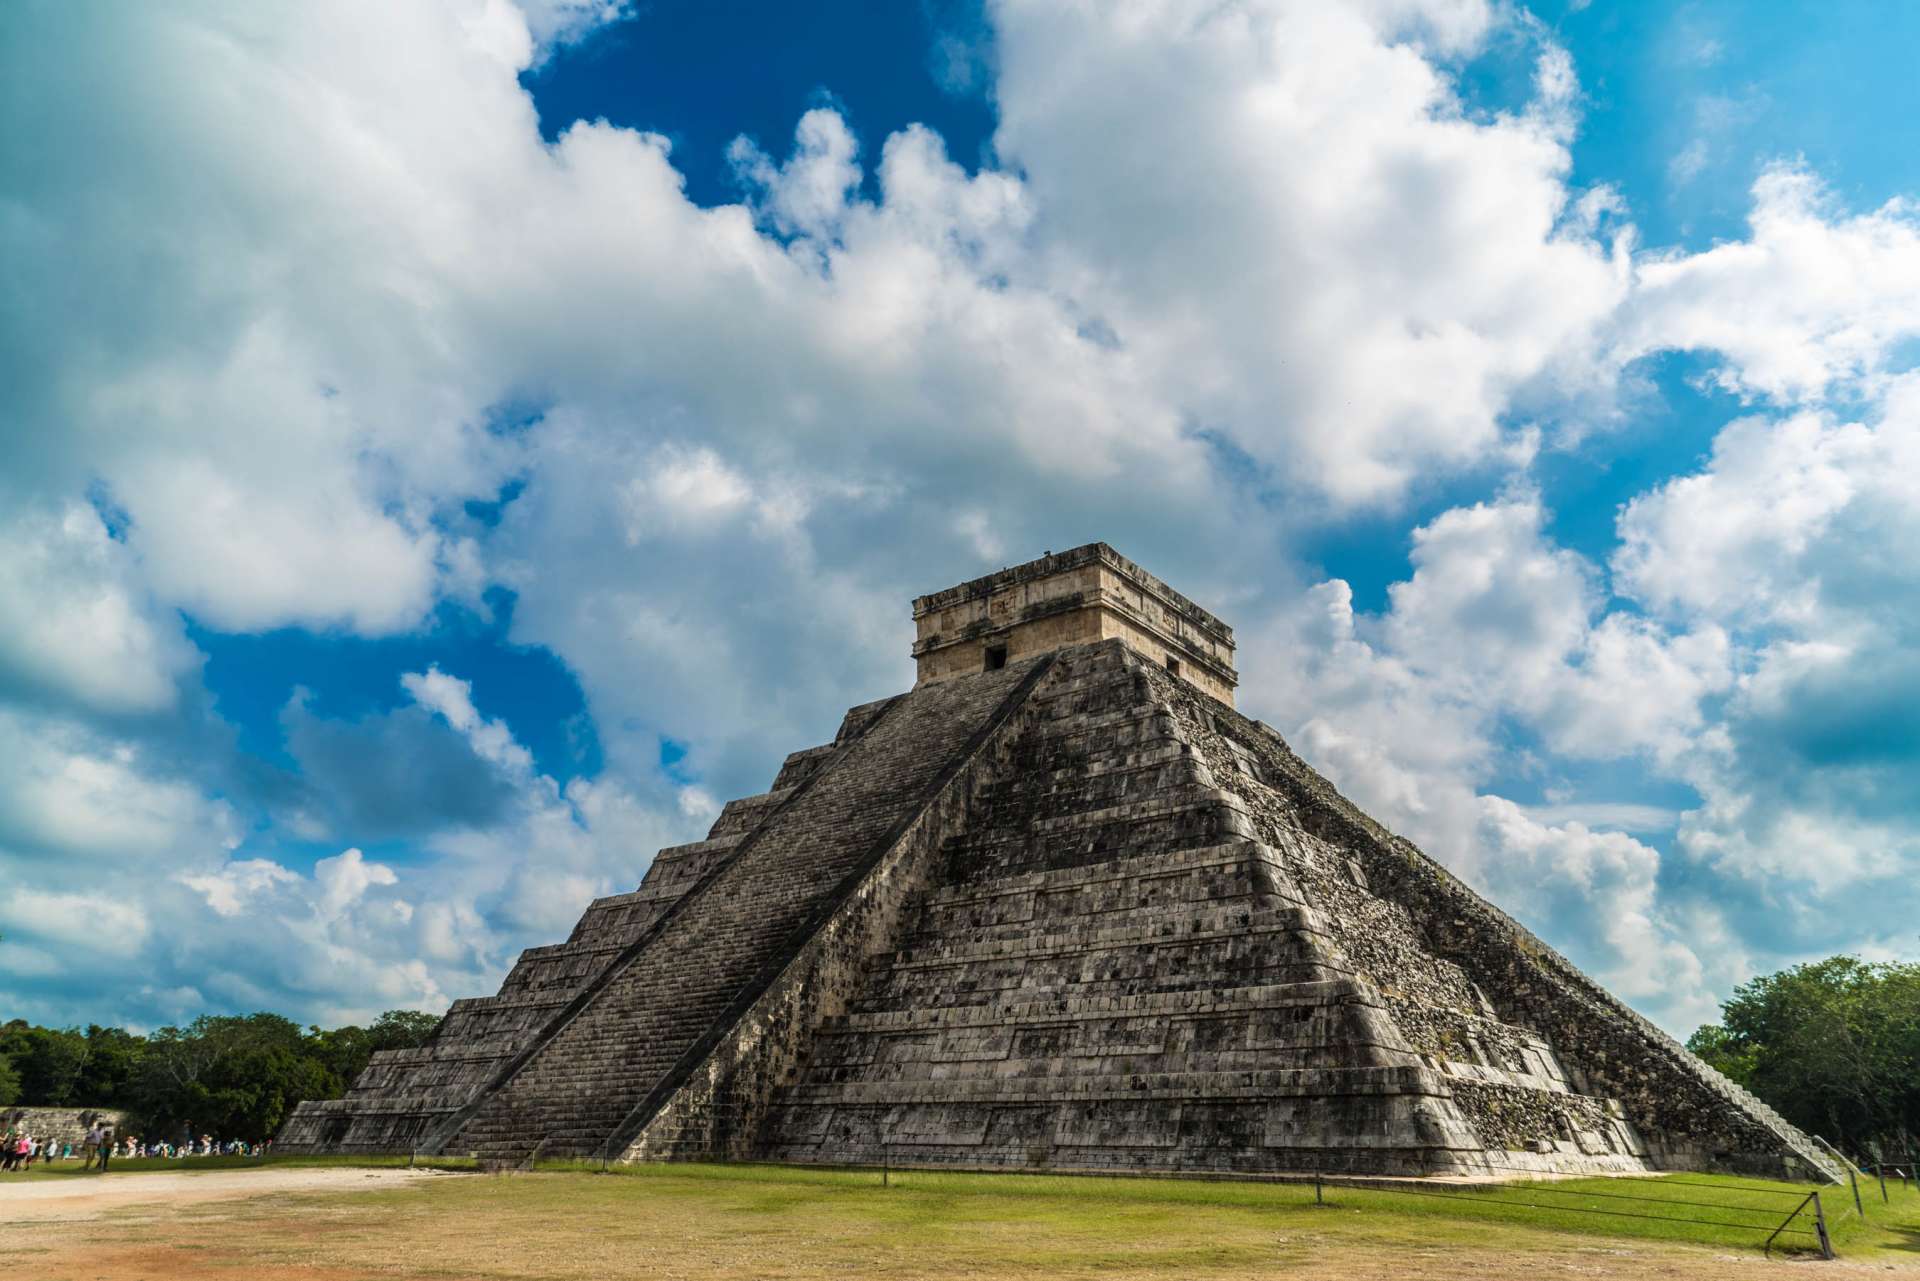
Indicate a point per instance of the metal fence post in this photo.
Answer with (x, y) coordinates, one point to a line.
(1881, 1172)
(1820, 1228)
(1855, 1181)
(1317, 1198)
(1767, 1247)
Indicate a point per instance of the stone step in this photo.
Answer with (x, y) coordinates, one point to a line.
(802, 765)
(1073, 1006)
(1172, 803)
(543, 999)
(858, 720)
(1165, 782)
(562, 952)
(1159, 927)
(1091, 915)
(1195, 817)
(1046, 1061)
(1119, 972)
(1241, 872)
(741, 816)
(1273, 1083)
(694, 851)
(650, 1007)
(1123, 868)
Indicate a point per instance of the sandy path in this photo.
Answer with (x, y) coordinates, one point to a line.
(80, 1199)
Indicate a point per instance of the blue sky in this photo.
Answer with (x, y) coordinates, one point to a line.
(456, 449)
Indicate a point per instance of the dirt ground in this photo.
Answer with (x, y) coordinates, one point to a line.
(84, 1200)
(329, 1224)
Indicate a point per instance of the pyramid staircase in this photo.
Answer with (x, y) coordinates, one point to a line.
(1068, 914)
(1127, 969)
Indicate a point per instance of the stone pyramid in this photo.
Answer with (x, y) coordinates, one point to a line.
(1060, 907)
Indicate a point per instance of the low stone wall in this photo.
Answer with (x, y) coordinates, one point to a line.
(62, 1125)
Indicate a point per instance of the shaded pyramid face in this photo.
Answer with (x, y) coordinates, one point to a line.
(1066, 914)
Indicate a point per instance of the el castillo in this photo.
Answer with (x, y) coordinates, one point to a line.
(1058, 907)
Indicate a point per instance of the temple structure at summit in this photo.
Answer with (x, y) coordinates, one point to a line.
(1059, 906)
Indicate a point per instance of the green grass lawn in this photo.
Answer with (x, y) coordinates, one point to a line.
(1700, 1209)
(731, 1220)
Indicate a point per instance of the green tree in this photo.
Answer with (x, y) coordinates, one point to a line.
(341, 1052)
(1833, 1045)
(1717, 1046)
(47, 1060)
(402, 1029)
(344, 1051)
(114, 1057)
(232, 1076)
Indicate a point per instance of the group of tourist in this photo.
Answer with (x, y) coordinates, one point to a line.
(20, 1149)
(205, 1145)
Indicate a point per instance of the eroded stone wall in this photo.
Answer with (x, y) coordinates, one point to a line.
(62, 1125)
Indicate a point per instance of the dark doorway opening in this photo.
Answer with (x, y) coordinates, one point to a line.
(996, 657)
(1173, 665)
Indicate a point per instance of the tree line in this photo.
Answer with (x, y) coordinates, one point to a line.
(1833, 1046)
(230, 1076)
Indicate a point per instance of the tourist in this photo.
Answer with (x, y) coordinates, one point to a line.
(90, 1145)
(106, 1147)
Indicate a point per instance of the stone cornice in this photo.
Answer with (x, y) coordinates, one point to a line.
(1063, 562)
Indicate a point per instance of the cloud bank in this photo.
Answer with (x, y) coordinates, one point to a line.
(291, 293)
